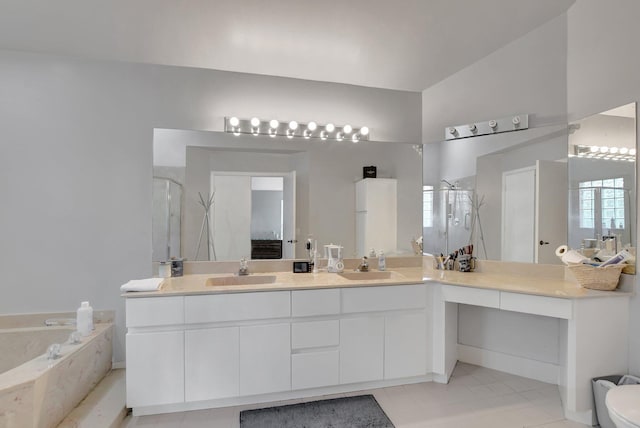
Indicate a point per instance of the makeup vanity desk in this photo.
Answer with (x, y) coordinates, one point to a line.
(593, 333)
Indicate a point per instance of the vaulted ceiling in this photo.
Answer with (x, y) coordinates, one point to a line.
(396, 44)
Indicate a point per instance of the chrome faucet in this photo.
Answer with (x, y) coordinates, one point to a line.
(364, 265)
(244, 267)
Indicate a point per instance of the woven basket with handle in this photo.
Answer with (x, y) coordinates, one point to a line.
(597, 278)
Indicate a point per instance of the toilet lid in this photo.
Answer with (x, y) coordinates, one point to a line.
(625, 402)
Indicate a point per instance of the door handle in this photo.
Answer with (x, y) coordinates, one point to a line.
(292, 241)
(544, 243)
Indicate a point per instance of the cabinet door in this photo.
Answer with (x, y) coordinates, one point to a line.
(155, 372)
(361, 349)
(405, 345)
(265, 359)
(212, 363)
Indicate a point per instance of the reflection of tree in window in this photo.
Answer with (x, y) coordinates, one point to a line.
(427, 206)
(607, 196)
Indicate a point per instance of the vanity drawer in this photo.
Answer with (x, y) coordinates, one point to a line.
(315, 334)
(154, 311)
(384, 298)
(315, 369)
(237, 307)
(471, 296)
(538, 305)
(308, 303)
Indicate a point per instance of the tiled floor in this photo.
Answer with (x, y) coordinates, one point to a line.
(476, 397)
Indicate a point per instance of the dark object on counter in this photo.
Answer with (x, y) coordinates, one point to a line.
(369, 171)
(301, 267)
(177, 267)
(266, 249)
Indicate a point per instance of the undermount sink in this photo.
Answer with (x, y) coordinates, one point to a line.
(363, 276)
(241, 280)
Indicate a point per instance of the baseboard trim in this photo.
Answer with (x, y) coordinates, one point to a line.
(544, 372)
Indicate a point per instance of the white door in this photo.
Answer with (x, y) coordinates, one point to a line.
(154, 374)
(265, 359)
(212, 362)
(361, 349)
(405, 345)
(518, 215)
(231, 216)
(551, 207)
(289, 216)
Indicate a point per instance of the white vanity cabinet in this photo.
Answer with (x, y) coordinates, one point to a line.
(200, 351)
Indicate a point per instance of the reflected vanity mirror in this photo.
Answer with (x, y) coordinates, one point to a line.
(602, 183)
(223, 197)
(506, 194)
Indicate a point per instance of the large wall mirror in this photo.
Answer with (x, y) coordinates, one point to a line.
(506, 194)
(264, 192)
(517, 196)
(602, 182)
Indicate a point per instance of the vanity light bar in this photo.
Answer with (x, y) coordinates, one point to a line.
(604, 152)
(506, 124)
(275, 128)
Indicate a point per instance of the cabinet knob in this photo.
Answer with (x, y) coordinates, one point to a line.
(544, 243)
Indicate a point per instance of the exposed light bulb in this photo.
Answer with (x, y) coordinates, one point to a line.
(364, 130)
(452, 130)
(255, 122)
(624, 150)
(632, 152)
(472, 127)
(604, 149)
(293, 125)
(614, 150)
(330, 127)
(493, 124)
(347, 129)
(234, 121)
(312, 126)
(594, 149)
(274, 124)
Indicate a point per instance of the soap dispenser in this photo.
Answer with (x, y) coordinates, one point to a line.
(382, 261)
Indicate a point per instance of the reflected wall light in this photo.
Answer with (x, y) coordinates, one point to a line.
(292, 129)
(604, 152)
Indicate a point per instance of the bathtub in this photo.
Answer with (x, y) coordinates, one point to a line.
(39, 392)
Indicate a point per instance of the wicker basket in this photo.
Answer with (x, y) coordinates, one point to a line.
(597, 278)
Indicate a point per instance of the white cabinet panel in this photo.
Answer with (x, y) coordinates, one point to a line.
(306, 303)
(315, 334)
(237, 306)
(361, 349)
(212, 363)
(154, 311)
(314, 369)
(405, 345)
(471, 296)
(265, 359)
(155, 372)
(386, 298)
(539, 305)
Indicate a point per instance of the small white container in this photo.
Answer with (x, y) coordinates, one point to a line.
(164, 270)
(84, 319)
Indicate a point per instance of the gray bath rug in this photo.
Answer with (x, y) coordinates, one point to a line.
(362, 411)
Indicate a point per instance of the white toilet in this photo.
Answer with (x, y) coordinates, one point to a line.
(623, 403)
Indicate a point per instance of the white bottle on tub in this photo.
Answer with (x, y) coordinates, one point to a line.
(84, 320)
(382, 261)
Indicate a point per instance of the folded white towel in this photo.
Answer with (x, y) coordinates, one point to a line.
(149, 284)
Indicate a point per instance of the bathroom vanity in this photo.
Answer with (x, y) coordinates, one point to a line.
(193, 346)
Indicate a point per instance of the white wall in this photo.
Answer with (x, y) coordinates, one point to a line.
(603, 71)
(76, 163)
(526, 76)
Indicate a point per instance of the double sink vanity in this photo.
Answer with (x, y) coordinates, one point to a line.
(214, 340)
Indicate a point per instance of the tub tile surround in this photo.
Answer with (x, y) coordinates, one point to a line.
(41, 392)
